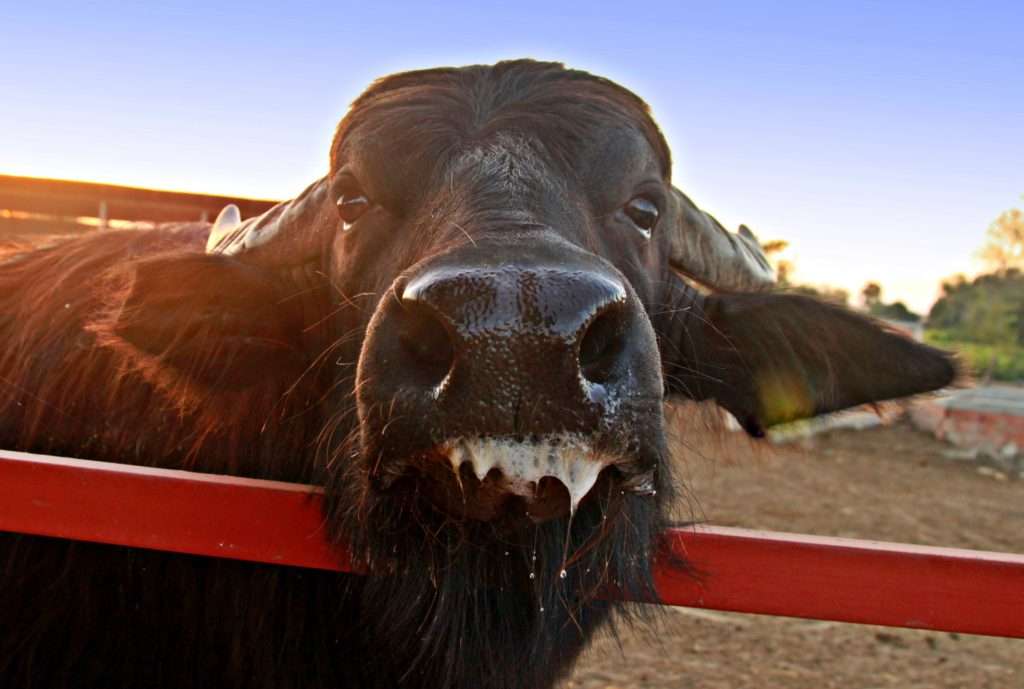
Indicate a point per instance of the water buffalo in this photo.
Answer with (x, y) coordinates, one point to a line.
(466, 331)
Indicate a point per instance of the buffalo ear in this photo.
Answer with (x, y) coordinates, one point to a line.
(773, 358)
(200, 321)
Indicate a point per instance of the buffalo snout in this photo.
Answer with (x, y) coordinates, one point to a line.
(507, 377)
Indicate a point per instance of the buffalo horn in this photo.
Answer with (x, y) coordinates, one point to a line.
(705, 251)
(227, 220)
(289, 234)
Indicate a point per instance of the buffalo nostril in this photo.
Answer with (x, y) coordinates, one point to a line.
(426, 341)
(602, 344)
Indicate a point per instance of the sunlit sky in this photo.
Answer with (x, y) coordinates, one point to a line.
(879, 138)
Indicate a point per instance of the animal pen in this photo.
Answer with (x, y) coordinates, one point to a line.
(796, 575)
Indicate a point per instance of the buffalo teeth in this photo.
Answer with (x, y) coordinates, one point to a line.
(565, 458)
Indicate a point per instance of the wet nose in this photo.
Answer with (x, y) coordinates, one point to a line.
(534, 333)
(511, 373)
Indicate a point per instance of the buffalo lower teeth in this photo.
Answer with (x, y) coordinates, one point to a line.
(568, 459)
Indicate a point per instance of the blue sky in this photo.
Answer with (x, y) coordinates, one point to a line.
(879, 138)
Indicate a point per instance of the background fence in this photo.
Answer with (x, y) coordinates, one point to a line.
(30, 205)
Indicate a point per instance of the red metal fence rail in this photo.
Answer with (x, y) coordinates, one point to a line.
(813, 577)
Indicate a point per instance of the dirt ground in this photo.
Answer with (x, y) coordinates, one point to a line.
(890, 483)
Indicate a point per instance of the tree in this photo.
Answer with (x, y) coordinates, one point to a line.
(988, 309)
(774, 246)
(783, 268)
(784, 273)
(1004, 245)
(896, 311)
(871, 294)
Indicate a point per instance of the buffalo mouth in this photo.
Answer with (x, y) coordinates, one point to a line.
(541, 478)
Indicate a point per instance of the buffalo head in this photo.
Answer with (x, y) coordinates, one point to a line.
(487, 299)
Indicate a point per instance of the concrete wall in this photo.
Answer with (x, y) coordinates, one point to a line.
(989, 421)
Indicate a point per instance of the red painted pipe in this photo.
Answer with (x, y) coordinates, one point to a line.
(794, 575)
(847, 580)
(162, 509)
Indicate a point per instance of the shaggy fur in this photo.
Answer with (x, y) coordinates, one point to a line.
(137, 347)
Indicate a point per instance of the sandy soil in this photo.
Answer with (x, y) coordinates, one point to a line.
(890, 483)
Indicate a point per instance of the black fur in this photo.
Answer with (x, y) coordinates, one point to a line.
(138, 348)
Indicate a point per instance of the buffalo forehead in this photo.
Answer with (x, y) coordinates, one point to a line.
(400, 161)
(615, 162)
(505, 161)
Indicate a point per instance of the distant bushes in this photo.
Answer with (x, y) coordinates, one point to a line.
(1004, 362)
(983, 319)
(988, 309)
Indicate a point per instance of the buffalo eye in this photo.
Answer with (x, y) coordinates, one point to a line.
(643, 213)
(351, 206)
